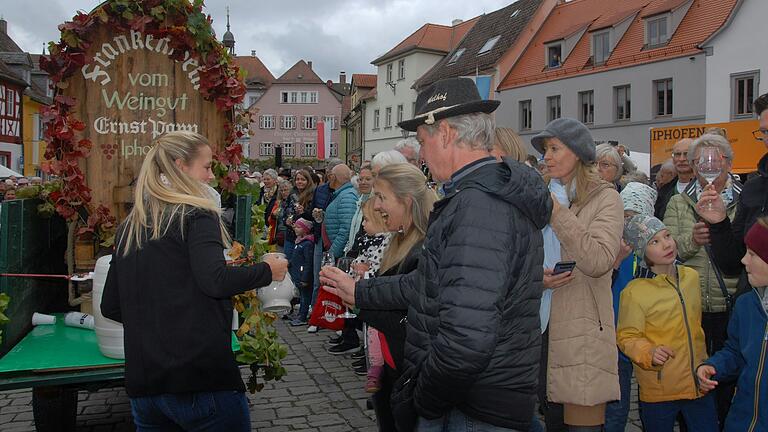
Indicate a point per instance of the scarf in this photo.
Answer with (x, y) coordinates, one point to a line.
(552, 252)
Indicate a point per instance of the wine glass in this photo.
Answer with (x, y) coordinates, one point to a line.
(345, 264)
(710, 166)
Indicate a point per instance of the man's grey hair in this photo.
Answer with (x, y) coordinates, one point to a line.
(668, 165)
(637, 177)
(411, 143)
(389, 157)
(710, 140)
(270, 173)
(332, 163)
(475, 131)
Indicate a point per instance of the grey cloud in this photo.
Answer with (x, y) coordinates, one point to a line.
(335, 34)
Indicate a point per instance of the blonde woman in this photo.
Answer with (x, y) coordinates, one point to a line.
(579, 368)
(507, 143)
(401, 196)
(170, 287)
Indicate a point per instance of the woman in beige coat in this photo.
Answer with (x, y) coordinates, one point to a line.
(587, 220)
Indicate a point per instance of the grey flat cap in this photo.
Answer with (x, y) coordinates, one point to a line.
(572, 133)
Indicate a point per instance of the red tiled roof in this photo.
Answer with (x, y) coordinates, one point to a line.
(370, 95)
(300, 73)
(615, 15)
(661, 6)
(703, 19)
(432, 37)
(364, 80)
(255, 70)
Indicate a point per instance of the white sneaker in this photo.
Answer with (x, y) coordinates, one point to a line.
(312, 329)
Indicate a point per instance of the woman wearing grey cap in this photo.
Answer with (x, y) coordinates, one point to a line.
(579, 368)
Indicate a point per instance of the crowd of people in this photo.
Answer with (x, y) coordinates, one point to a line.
(517, 282)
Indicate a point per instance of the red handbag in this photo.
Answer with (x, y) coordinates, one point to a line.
(326, 310)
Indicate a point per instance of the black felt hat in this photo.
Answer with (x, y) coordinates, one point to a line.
(450, 97)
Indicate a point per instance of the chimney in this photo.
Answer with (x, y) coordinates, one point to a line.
(456, 22)
(309, 63)
(342, 77)
(253, 53)
(3, 26)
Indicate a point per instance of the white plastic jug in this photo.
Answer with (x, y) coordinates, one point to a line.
(109, 333)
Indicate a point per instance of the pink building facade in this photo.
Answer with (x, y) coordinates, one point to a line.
(287, 115)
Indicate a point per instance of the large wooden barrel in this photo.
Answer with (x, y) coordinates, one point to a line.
(130, 94)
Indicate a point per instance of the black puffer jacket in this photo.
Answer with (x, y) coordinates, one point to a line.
(473, 337)
(728, 238)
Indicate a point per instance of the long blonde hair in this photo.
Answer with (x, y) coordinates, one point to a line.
(410, 187)
(509, 143)
(586, 177)
(164, 193)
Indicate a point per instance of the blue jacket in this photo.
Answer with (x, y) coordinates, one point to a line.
(338, 217)
(624, 276)
(321, 198)
(301, 263)
(744, 356)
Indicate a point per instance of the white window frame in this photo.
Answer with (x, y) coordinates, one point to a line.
(526, 114)
(310, 149)
(310, 122)
(488, 45)
(401, 69)
(744, 109)
(400, 113)
(313, 96)
(266, 149)
(376, 119)
(587, 98)
(622, 96)
(456, 56)
(601, 52)
(294, 97)
(333, 149)
(267, 121)
(548, 60)
(288, 122)
(388, 117)
(390, 67)
(659, 39)
(304, 97)
(288, 149)
(669, 98)
(551, 107)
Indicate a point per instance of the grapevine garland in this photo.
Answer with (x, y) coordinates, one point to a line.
(188, 29)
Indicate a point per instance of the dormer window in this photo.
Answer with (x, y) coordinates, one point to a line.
(657, 31)
(456, 56)
(488, 45)
(601, 47)
(555, 55)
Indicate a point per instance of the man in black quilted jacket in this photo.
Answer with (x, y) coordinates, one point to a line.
(473, 333)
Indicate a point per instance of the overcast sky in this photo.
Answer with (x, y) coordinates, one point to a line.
(335, 34)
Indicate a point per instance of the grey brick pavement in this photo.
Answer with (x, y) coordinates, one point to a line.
(319, 393)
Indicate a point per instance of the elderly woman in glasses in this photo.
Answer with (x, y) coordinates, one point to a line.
(609, 164)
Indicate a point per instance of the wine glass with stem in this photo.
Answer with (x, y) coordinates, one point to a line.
(710, 166)
(345, 264)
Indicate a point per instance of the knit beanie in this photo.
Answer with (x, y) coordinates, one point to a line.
(639, 198)
(305, 224)
(638, 231)
(757, 240)
(572, 133)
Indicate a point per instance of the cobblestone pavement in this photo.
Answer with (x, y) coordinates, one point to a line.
(319, 393)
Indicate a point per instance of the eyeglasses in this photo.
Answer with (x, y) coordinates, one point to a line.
(760, 134)
(679, 154)
(605, 165)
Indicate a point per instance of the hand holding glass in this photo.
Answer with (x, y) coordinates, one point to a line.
(345, 264)
(710, 166)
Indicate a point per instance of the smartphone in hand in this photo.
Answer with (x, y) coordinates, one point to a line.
(564, 267)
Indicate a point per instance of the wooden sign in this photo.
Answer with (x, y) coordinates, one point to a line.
(129, 95)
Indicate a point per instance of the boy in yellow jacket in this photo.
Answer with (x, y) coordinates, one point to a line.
(660, 330)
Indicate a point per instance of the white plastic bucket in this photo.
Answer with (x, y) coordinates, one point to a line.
(109, 333)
